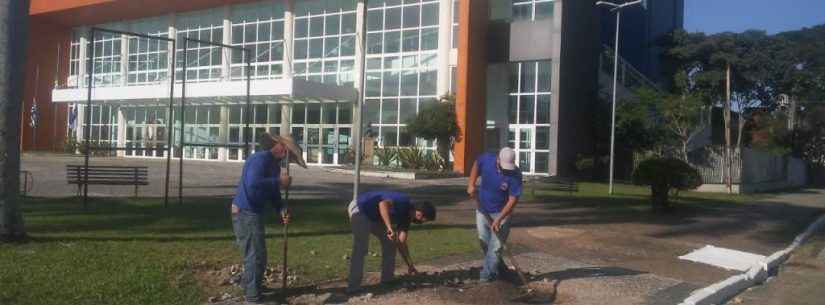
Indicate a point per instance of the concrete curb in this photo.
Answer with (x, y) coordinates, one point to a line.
(726, 289)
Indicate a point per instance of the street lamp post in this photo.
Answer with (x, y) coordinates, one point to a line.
(357, 124)
(618, 9)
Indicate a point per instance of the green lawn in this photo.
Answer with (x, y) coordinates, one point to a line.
(128, 251)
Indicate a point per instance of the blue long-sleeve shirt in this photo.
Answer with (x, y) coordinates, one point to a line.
(259, 183)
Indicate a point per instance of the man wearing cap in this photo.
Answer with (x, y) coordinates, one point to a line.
(497, 196)
(376, 212)
(261, 181)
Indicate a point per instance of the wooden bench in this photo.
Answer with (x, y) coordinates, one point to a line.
(108, 175)
(552, 184)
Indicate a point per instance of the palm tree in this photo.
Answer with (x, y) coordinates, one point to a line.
(14, 16)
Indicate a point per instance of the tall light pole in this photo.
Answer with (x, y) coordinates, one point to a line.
(361, 40)
(618, 9)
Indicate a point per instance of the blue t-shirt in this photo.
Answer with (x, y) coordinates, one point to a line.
(399, 212)
(259, 183)
(496, 186)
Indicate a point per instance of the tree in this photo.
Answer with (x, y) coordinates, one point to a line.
(808, 140)
(664, 175)
(682, 118)
(13, 33)
(437, 122)
(638, 123)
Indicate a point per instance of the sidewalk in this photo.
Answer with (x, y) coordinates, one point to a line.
(800, 281)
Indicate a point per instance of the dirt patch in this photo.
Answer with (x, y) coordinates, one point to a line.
(505, 293)
(554, 232)
(222, 283)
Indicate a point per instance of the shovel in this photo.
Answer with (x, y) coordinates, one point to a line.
(293, 150)
(285, 211)
(529, 295)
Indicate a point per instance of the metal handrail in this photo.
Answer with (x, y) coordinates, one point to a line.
(626, 69)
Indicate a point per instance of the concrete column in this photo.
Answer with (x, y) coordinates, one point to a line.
(124, 59)
(289, 25)
(226, 58)
(79, 122)
(173, 33)
(445, 26)
(121, 132)
(223, 133)
(82, 52)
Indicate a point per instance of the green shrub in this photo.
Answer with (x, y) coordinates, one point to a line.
(437, 122)
(664, 175)
(434, 162)
(584, 166)
(411, 157)
(70, 145)
(386, 156)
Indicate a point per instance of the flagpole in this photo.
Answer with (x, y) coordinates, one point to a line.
(52, 107)
(34, 111)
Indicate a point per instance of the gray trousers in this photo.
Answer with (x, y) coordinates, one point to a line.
(361, 229)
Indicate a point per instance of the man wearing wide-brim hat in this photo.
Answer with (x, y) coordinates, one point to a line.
(261, 181)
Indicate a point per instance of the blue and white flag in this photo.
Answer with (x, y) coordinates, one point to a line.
(73, 117)
(34, 115)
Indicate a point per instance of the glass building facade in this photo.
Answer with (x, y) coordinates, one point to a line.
(401, 66)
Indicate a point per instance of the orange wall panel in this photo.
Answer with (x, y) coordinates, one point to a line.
(471, 77)
(89, 12)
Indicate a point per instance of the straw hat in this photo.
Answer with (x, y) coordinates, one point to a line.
(296, 155)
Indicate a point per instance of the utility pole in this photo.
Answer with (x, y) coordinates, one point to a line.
(728, 152)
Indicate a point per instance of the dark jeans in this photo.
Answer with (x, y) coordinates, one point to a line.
(250, 238)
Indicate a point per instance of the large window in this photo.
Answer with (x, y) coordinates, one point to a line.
(148, 58)
(203, 124)
(74, 58)
(532, 9)
(402, 43)
(204, 60)
(323, 131)
(107, 56)
(103, 127)
(263, 118)
(456, 13)
(324, 49)
(529, 115)
(260, 28)
(146, 131)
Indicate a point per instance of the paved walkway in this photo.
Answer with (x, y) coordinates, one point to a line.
(206, 178)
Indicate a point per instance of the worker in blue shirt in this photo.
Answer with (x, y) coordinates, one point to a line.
(387, 215)
(260, 182)
(497, 196)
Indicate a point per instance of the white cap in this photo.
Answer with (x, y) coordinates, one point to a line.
(507, 158)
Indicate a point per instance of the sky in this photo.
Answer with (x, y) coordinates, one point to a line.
(714, 16)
